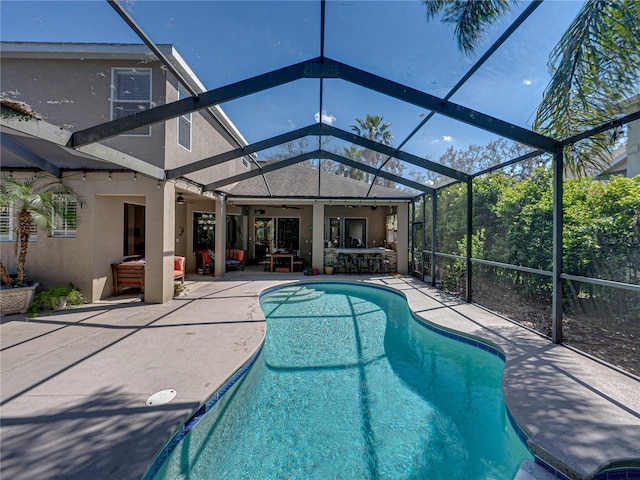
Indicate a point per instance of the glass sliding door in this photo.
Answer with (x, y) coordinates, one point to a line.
(288, 234)
(264, 234)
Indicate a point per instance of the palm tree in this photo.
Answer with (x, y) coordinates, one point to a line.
(594, 67)
(32, 202)
(352, 153)
(374, 129)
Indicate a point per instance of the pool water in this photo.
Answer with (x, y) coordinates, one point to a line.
(350, 386)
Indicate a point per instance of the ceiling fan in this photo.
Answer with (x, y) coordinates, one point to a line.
(292, 208)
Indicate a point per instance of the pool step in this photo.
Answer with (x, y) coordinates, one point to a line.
(294, 294)
(532, 471)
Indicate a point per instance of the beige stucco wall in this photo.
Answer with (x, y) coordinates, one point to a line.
(86, 259)
(207, 139)
(76, 94)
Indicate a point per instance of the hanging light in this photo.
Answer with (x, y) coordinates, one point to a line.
(180, 199)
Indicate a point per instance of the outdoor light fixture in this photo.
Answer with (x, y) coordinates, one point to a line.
(180, 199)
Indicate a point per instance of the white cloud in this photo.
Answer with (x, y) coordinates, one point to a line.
(433, 142)
(527, 82)
(447, 138)
(327, 119)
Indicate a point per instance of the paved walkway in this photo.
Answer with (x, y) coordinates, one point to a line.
(74, 383)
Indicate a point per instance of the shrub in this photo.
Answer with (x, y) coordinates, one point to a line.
(53, 299)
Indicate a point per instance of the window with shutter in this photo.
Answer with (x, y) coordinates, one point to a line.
(64, 222)
(6, 223)
(131, 93)
(7, 226)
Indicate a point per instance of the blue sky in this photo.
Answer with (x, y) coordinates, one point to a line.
(225, 42)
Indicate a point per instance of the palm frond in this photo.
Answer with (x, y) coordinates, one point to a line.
(469, 18)
(595, 67)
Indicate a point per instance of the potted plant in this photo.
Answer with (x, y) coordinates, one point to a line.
(328, 266)
(31, 202)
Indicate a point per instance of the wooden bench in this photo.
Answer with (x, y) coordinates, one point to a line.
(128, 275)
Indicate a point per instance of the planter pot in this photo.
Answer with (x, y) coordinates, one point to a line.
(328, 270)
(16, 300)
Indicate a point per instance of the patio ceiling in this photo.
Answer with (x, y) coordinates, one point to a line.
(273, 66)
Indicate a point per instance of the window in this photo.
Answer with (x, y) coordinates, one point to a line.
(7, 226)
(64, 222)
(6, 223)
(184, 124)
(204, 231)
(134, 231)
(345, 232)
(131, 93)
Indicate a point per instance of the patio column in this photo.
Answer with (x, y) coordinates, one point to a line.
(317, 237)
(221, 236)
(159, 241)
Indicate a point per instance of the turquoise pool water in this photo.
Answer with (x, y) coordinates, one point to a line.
(349, 385)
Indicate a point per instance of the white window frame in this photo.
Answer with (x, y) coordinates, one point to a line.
(184, 121)
(115, 101)
(8, 234)
(64, 228)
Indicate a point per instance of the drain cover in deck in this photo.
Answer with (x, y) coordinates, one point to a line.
(161, 397)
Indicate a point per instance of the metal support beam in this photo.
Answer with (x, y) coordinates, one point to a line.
(29, 156)
(314, 155)
(469, 283)
(390, 151)
(434, 240)
(191, 104)
(446, 108)
(268, 168)
(319, 129)
(369, 169)
(424, 232)
(558, 221)
(240, 152)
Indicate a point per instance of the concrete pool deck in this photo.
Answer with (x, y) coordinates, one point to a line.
(74, 383)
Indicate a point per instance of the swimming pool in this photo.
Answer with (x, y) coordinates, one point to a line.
(349, 385)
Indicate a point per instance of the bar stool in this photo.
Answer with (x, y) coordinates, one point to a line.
(376, 263)
(342, 264)
(363, 263)
(354, 263)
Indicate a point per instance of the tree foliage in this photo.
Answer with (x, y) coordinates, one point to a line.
(595, 68)
(513, 220)
(469, 19)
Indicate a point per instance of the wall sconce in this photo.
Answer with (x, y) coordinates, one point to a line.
(180, 199)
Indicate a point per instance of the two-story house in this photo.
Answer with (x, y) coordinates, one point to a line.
(132, 207)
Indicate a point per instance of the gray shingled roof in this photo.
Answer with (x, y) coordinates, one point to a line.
(304, 182)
